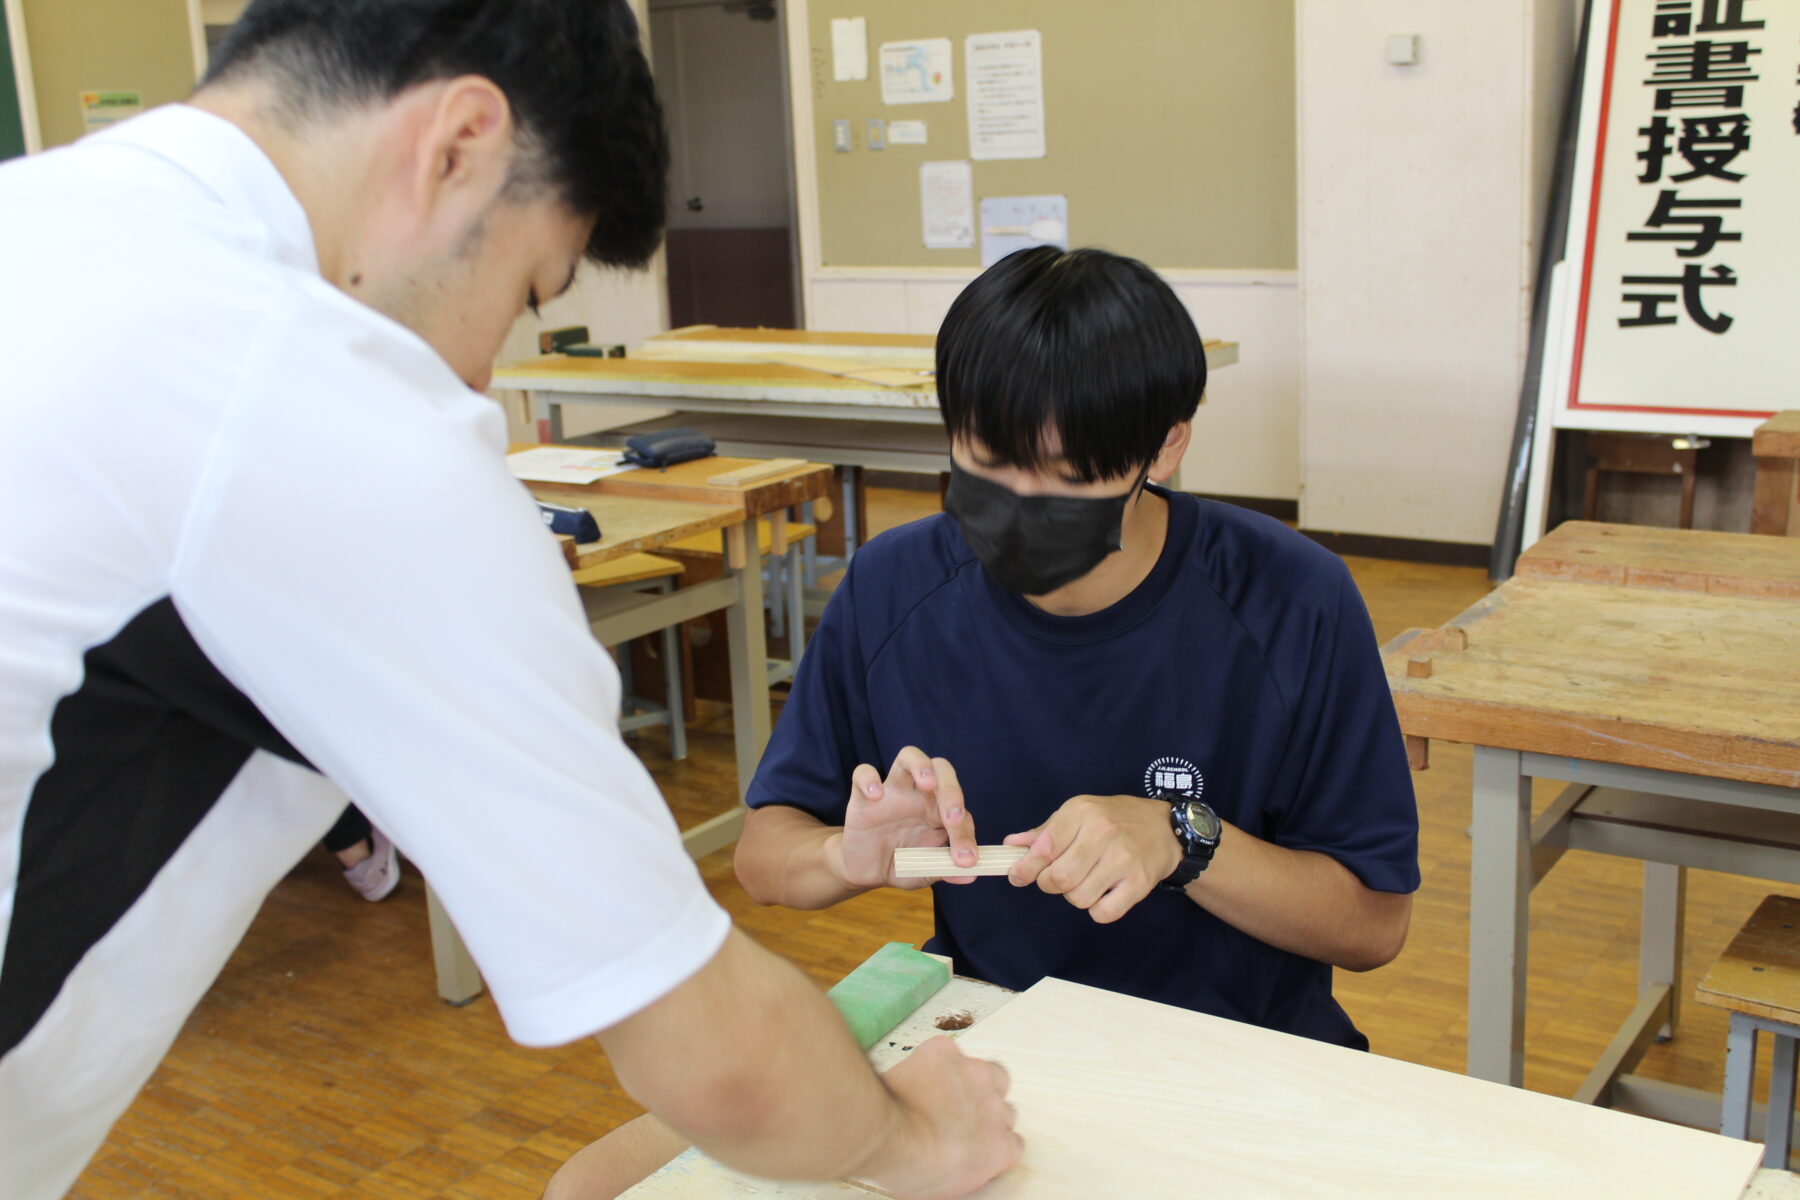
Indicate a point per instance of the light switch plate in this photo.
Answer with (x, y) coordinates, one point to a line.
(840, 135)
(1403, 49)
(877, 134)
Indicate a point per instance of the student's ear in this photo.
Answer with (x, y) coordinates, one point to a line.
(1168, 459)
(464, 151)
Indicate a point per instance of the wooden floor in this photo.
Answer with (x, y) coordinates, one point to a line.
(322, 1063)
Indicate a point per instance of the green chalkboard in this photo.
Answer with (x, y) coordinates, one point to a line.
(12, 127)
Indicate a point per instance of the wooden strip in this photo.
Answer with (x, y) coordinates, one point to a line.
(1688, 560)
(756, 472)
(934, 862)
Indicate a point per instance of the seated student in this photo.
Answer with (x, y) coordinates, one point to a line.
(1176, 704)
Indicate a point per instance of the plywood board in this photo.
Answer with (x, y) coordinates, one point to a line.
(1680, 681)
(1119, 1097)
(1690, 560)
(1122, 1097)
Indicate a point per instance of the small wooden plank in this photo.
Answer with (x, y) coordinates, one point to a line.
(1778, 437)
(934, 862)
(755, 472)
(1759, 973)
(1689, 560)
(808, 482)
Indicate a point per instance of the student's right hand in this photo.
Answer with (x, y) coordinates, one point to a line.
(919, 804)
(956, 1128)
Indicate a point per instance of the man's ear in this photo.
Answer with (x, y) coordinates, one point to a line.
(1168, 459)
(464, 150)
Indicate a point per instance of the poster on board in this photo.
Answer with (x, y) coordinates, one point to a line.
(1677, 294)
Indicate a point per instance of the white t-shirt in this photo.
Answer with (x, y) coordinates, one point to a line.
(250, 527)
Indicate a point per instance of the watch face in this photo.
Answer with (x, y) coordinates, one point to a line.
(1204, 820)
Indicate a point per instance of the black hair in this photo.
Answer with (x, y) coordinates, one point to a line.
(1089, 344)
(587, 119)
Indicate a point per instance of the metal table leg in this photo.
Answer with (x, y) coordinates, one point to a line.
(1499, 899)
(1660, 935)
(1740, 1074)
(1779, 1132)
(458, 979)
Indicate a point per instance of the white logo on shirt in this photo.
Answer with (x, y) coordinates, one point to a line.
(1174, 775)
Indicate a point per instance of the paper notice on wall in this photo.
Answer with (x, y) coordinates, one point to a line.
(906, 133)
(1010, 223)
(102, 109)
(1006, 94)
(849, 49)
(947, 203)
(916, 72)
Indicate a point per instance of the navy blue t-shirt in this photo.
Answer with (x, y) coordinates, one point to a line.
(1243, 670)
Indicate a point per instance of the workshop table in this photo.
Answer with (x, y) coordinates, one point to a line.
(1654, 671)
(705, 369)
(1229, 1109)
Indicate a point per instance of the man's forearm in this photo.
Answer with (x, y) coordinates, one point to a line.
(797, 1100)
(1302, 902)
(791, 858)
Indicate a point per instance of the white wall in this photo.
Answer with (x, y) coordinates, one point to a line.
(1422, 192)
(1246, 436)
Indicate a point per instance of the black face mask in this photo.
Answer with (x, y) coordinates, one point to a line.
(1034, 544)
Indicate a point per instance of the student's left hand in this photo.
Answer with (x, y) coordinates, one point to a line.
(1103, 853)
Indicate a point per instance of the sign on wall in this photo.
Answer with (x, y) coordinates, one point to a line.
(1677, 305)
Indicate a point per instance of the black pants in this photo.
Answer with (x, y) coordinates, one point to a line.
(350, 829)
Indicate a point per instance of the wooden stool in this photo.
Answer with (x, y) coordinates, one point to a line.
(1640, 454)
(636, 570)
(778, 541)
(1758, 980)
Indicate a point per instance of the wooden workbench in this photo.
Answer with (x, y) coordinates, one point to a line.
(708, 370)
(1122, 1097)
(1653, 671)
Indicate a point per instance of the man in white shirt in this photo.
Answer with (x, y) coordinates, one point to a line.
(260, 549)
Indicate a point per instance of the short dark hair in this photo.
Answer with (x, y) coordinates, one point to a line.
(586, 112)
(1091, 345)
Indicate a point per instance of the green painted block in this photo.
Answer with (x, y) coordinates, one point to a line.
(885, 990)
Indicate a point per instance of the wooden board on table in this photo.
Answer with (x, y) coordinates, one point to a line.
(896, 350)
(1759, 973)
(1682, 681)
(692, 481)
(629, 525)
(1691, 560)
(642, 376)
(1123, 1097)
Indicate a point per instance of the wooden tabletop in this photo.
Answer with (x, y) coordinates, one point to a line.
(1778, 437)
(1723, 564)
(1682, 681)
(688, 481)
(1759, 973)
(629, 524)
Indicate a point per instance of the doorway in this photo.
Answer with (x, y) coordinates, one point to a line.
(721, 71)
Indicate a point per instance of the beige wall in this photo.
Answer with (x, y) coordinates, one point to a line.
(1169, 127)
(1422, 199)
(111, 45)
